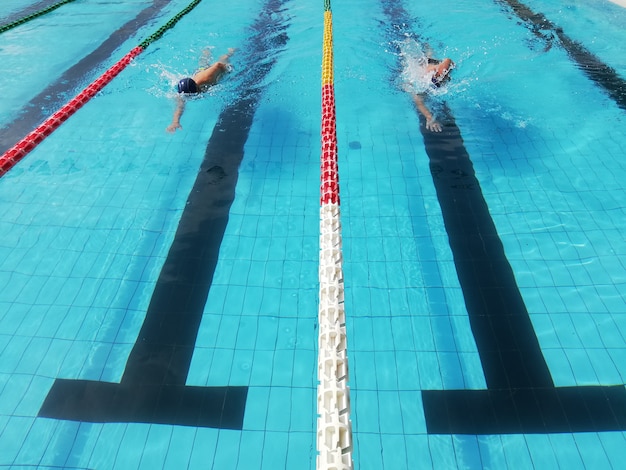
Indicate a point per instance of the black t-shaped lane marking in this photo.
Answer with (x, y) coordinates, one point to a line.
(153, 389)
(521, 396)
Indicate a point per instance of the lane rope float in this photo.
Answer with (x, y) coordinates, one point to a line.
(334, 428)
(16, 153)
(32, 16)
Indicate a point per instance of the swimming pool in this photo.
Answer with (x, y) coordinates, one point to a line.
(91, 217)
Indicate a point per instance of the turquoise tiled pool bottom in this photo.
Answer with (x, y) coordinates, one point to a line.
(98, 243)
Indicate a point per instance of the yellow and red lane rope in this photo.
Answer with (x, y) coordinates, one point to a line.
(334, 429)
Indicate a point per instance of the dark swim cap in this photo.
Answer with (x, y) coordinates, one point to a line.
(438, 80)
(187, 85)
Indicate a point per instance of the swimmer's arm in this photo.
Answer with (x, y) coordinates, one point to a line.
(178, 112)
(431, 122)
(224, 58)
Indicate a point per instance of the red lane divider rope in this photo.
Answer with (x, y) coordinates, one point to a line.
(330, 170)
(12, 156)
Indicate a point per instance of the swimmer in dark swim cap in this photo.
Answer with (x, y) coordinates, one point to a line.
(201, 81)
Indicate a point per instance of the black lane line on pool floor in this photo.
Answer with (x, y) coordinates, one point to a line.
(56, 94)
(599, 72)
(27, 11)
(36, 14)
(152, 389)
(521, 396)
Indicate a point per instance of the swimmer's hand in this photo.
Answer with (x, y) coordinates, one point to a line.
(173, 127)
(433, 126)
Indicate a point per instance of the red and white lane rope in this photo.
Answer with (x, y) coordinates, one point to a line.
(334, 429)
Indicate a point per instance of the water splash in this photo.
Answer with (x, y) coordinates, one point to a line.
(415, 78)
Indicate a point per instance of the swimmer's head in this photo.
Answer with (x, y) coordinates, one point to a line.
(187, 85)
(439, 80)
(442, 74)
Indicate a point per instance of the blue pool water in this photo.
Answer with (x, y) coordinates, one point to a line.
(88, 219)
